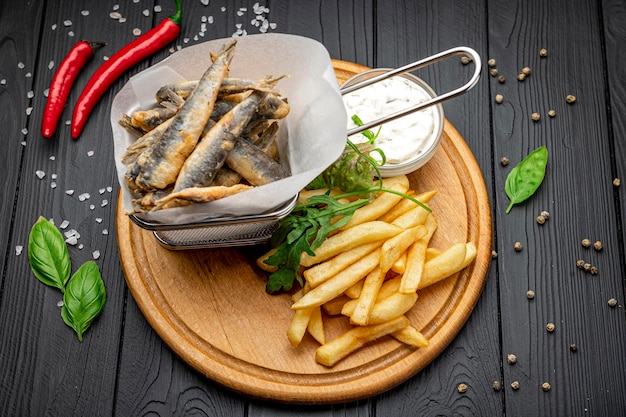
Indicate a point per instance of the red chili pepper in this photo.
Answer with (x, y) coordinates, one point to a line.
(127, 57)
(62, 82)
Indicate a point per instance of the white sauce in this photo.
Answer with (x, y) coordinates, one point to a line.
(402, 139)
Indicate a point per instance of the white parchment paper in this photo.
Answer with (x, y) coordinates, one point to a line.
(310, 138)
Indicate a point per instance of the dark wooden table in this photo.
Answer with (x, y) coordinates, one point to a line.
(123, 368)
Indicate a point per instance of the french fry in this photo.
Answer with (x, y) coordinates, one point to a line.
(389, 287)
(415, 259)
(395, 246)
(367, 297)
(449, 262)
(432, 253)
(384, 202)
(355, 338)
(316, 325)
(384, 309)
(298, 326)
(334, 306)
(350, 239)
(411, 336)
(355, 290)
(336, 285)
(260, 262)
(405, 205)
(324, 270)
(400, 264)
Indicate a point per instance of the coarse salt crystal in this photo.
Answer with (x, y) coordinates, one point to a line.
(53, 185)
(158, 9)
(92, 207)
(29, 110)
(136, 32)
(52, 157)
(23, 143)
(40, 174)
(83, 196)
(72, 240)
(18, 250)
(54, 26)
(70, 33)
(122, 20)
(109, 188)
(116, 7)
(45, 92)
(54, 176)
(69, 192)
(67, 23)
(60, 303)
(146, 12)
(21, 65)
(50, 64)
(101, 190)
(96, 254)
(3, 81)
(90, 153)
(64, 224)
(30, 94)
(24, 131)
(72, 233)
(204, 2)
(80, 246)
(115, 15)
(104, 203)
(98, 219)
(105, 231)
(84, 12)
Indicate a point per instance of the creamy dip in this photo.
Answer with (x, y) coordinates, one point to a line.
(402, 139)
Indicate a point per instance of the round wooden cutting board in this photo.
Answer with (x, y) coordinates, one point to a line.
(211, 308)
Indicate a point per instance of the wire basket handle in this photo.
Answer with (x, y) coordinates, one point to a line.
(460, 50)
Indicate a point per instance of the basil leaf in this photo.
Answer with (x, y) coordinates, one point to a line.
(48, 255)
(526, 177)
(84, 298)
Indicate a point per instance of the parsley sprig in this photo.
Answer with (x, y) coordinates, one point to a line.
(304, 230)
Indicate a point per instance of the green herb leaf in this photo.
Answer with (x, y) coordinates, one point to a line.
(304, 230)
(48, 255)
(84, 298)
(526, 177)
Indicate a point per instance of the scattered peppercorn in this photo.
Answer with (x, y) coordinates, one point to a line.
(511, 358)
(526, 70)
(466, 60)
(573, 347)
(499, 98)
(570, 99)
(518, 246)
(493, 72)
(535, 116)
(617, 182)
(545, 214)
(550, 327)
(462, 387)
(587, 266)
(541, 219)
(593, 270)
(501, 79)
(580, 263)
(494, 254)
(515, 385)
(491, 62)
(585, 242)
(521, 76)
(545, 386)
(504, 161)
(551, 112)
(597, 245)
(496, 385)
(612, 302)
(530, 294)
(543, 52)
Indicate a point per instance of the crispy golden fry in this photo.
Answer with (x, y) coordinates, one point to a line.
(355, 290)
(324, 270)
(298, 326)
(336, 285)
(400, 264)
(391, 286)
(383, 202)
(260, 262)
(350, 239)
(412, 337)
(384, 309)
(334, 306)
(413, 217)
(394, 247)
(405, 205)
(448, 263)
(367, 297)
(316, 325)
(332, 352)
(432, 253)
(415, 259)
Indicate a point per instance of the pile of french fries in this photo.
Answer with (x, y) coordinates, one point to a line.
(371, 271)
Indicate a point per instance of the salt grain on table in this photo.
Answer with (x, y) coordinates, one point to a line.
(40, 174)
(83, 196)
(69, 192)
(18, 250)
(64, 224)
(96, 254)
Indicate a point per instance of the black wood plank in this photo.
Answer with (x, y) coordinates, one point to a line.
(407, 32)
(578, 177)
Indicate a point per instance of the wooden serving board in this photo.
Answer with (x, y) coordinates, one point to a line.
(211, 308)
